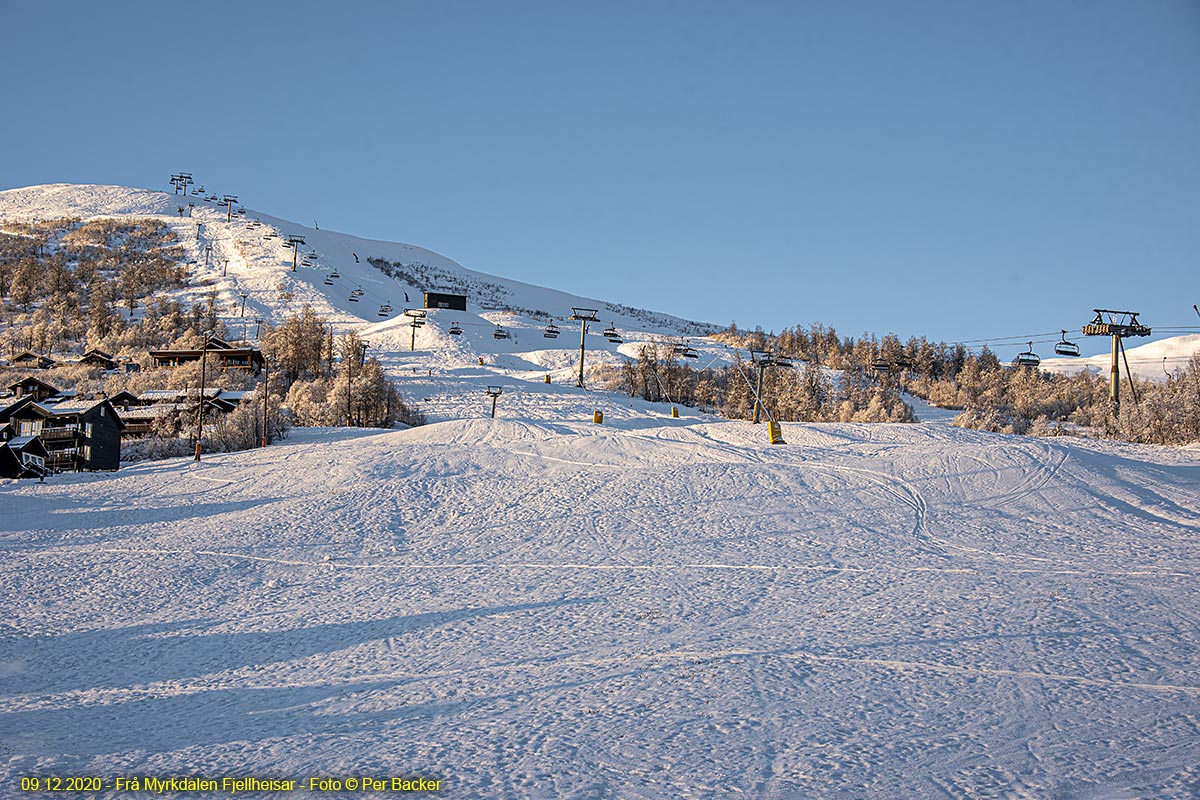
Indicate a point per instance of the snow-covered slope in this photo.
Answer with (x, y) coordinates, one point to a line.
(536, 607)
(248, 257)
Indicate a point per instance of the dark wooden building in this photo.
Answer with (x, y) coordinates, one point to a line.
(32, 387)
(22, 457)
(123, 400)
(220, 354)
(99, 358)
(31, 360)
(454, 302)
(78, 435)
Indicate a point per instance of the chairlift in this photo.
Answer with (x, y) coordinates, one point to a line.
(328, 281)
(551, 331)
(611, 332)
(384, 311)
(499, 333)
(1027, 358)
(455, 330)
(335, 274)
(1065, 348)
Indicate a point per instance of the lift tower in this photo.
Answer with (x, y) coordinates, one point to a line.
(1119, 325)
(583, 316)
(294, 242)
(764, 360)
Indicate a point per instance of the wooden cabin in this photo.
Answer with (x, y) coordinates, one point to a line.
(23, 457)
(78, 435)
(32, 387)
(221, 354)
(31, 360)
(99, 358)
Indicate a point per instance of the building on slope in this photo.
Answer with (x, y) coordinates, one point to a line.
(220, 354)
(31, 360)
(32, 387)
(22, 457)
(454, 302)
(77, 435)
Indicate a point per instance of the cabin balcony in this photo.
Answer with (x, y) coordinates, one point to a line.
(57, 434)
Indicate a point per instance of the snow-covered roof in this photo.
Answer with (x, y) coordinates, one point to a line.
(160, 395)
(70, 407)
(149, 412)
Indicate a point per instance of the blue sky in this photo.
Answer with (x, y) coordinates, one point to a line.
(956, 169)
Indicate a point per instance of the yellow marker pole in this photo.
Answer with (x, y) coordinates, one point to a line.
(775, 433)
(598, 417)
(674, 412)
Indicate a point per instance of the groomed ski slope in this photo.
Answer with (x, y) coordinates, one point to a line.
(536, 607)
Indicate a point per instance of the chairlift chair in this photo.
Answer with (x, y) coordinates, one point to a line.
(328, 281)
(1065, 348)
(353, 298)
(384, 311)
(499, 333)
(335, 274)
(455, 330)
(551, 331)
(1027, 358)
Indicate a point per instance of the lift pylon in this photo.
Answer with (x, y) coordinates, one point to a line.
(1119, 325)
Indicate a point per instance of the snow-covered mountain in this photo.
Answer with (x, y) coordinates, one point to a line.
(352, 281)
